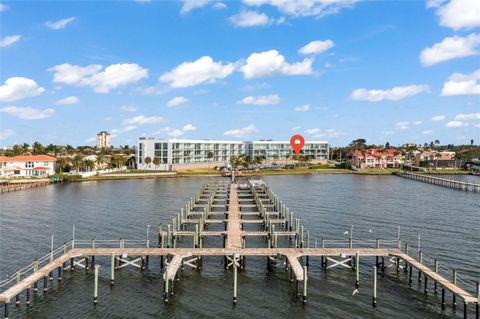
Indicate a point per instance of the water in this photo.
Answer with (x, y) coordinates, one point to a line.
(448, 221)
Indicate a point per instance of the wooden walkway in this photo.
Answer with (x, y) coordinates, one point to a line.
(278, 221)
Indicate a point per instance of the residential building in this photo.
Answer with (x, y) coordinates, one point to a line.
(103, 140)
(179, 154)
(282, 150)
(176, 154)
(27, 166)
(435, 159)
(376, 158)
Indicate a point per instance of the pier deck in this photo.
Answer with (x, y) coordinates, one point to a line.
(272, 217)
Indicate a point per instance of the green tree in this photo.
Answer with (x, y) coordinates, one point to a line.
(210, 157)
(62, 164)
(156, 161)
(148, 160)
(38, 148)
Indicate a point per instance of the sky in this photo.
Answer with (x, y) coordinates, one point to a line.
(330, 70)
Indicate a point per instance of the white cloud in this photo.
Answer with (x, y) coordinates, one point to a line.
(242, 132)
(3, 7)
(458, 14)
(438, 118)
(302, 8)
(418, 122)
(256, 86)
(9, 40)
(296, 128)
(261, 100)
(219, 5)
(27, 113)
(128, 108)
(189, 5)
(303, 108)
(249, 19)
(455, 124)
(60, 24)
(175, 133)
(68, 100)
(435, 3)
(450, 48)
(176, 101)
(465, 117)
(189, 128)
(116, 131)
(316, 47)
(393, 94)
(271, 62)
(402, 125)
(203, 70)
(142, 119)
(328, 133)
(152, 90)
(6, 133)
(17, 88)
(112, 77)
(462, 84)
(427, 132)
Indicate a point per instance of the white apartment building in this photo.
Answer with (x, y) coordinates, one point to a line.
(282, 150)
(27, 166)
(175, 153)
(103, 140)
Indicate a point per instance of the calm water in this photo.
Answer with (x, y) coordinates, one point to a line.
(447, 220)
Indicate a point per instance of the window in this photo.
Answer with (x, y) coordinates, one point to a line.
(28, 164)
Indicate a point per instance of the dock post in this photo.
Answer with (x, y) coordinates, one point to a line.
(426, 285)
(235, 256)
(406, 253)
(435, 288)
(374, 301)
(443, 298)
(95, 286)
(410, 275)
(420, 259)
(477, 306)
(45, 284)
(454, 281)
(357, 270)
(59, 272)
(5, 313)
(305, 280)
(112, 270)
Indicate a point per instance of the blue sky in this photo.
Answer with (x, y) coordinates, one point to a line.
(397, 71)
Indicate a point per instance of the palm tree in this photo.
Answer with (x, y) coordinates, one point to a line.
(258, 160)
(209, 156)
(437, 156)
(148, 160)
(89, 165)
(100, 161)
(61, 163)
(77, 162)
(156, 161)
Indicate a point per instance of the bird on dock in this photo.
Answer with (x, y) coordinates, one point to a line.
(355, 292)
(346, 232)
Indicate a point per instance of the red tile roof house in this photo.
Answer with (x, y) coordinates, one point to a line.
(376, 158)
(27, 166)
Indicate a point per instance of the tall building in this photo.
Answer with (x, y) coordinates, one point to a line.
(103, 140)
(174, 154)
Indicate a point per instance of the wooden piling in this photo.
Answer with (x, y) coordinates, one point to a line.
(305, 280)
(95, 286)
(235, 278)
(357, 270)
(374, 301)
(112, 270)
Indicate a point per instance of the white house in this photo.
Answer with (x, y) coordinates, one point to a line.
(27, 166)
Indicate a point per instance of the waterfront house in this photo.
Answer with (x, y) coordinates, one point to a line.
(435, 159)
(376, 158)
(27, 166)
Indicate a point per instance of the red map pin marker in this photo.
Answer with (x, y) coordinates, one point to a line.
(297, 142)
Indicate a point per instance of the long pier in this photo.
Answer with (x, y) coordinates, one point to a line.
(445, 182)
(236, 207)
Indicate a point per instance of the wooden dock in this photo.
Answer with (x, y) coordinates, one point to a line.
(287, 242)
(445, 182)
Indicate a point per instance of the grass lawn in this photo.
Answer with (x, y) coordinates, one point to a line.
(377, 171)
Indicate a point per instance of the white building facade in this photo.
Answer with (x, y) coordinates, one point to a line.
(270, 150)
(27, 166)
(103, 140)
(175, 154)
